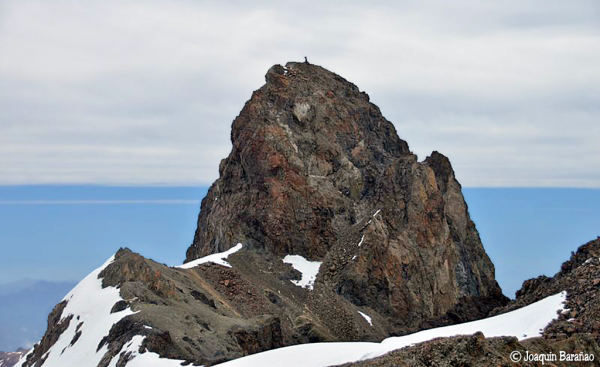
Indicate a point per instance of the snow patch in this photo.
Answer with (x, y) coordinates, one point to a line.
(589, 261)
(377, 212)
(361, 240)
(529, 320)
(218, 258)
(24, 358)
(367, 317)
(353, 257)
(90, 305)
(309, 270)
(145, 358)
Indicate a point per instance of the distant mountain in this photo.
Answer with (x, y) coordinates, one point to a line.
(9, 359)
(24, 308)
(16, 286)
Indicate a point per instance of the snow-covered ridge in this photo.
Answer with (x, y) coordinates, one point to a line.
(90, 305)
(309, 270)
(523, 323)
(218, 258)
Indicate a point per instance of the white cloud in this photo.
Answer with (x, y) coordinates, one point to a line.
(144, 92)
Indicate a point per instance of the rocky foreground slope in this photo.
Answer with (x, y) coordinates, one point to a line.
(576, 330)
(317, 179)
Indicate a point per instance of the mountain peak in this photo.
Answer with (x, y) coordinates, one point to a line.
(322, 226)
(312, 161)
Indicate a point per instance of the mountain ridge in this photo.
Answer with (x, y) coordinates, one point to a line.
(316, 172)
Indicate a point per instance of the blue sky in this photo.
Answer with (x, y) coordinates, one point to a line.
(531, 232)
(63, 233)
(78, 227)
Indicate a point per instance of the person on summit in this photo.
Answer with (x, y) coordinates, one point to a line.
(306, 60)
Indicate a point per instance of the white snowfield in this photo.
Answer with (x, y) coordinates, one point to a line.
(90, 304)
(218, 258)
(309, 270)
(147, 359)
(523, 323)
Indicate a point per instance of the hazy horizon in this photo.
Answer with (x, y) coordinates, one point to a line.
(49, 225)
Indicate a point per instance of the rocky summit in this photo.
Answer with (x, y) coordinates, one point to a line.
(322, 226)
(317, 171)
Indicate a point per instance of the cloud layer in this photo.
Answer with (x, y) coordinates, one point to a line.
(144, 92)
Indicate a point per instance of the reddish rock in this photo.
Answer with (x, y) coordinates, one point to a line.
(312, 161)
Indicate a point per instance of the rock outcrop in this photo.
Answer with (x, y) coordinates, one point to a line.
(576, 330)
(316, 170)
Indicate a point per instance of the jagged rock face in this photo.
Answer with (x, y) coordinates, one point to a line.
(575, 330)
(308, 151)
(312, 162)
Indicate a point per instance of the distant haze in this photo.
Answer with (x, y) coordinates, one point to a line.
(526, 232)
(24, 311)
(144, 92)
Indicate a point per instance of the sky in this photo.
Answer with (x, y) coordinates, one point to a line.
(62, 233)
(114, 115)
(144, 92)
